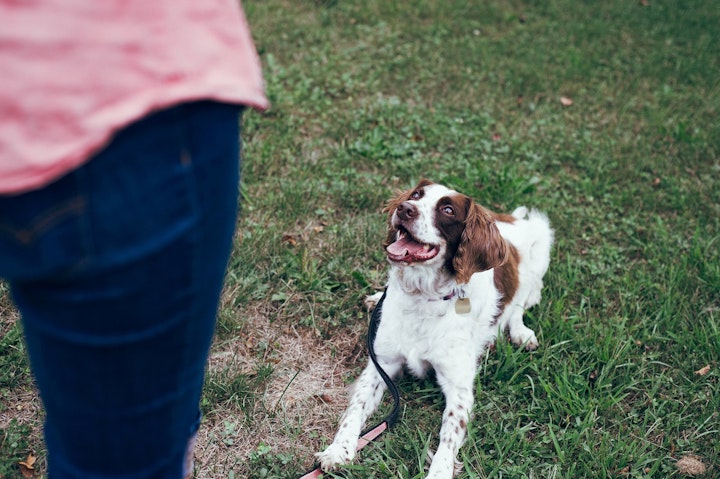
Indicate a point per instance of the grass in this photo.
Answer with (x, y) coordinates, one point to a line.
(371, 96)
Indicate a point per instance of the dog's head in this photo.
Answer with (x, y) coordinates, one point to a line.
(435, 226)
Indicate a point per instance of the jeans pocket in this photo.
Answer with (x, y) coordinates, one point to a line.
(43, 233)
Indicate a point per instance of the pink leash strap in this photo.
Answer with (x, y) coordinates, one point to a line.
(317, 472)
(363, 441)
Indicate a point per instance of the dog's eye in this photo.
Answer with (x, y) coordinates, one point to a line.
(415, 195)
(448, 210)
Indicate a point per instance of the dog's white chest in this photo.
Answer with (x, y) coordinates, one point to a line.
(421, 334)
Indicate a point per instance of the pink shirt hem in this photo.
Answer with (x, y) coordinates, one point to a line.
(77, 71)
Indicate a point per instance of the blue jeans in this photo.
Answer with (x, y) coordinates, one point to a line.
(117, 270)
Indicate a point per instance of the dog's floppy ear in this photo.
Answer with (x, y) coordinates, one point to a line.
(481, 245)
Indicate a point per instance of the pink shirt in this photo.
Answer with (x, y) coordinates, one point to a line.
(73, 72)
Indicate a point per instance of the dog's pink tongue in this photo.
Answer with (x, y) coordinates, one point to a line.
(404, 246)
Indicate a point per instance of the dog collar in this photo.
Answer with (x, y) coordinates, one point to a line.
(462, 305)
(450, 296)
(457, 291)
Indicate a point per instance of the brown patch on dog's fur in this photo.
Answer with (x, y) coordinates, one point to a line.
(503, 217)
(481, 247)
(506, 276)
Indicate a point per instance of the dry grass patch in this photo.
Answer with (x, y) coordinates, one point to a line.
(690, 465)
(299, 404)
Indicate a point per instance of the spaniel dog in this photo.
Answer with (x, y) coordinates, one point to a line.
(459, 275)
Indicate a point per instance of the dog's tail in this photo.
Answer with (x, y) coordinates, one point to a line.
(544, 236)
(520, 213)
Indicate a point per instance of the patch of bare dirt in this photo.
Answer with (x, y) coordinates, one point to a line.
(24, 406)
(301, 404)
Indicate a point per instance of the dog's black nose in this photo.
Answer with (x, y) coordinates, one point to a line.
(406, 211)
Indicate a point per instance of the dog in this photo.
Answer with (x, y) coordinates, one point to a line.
(459, 275)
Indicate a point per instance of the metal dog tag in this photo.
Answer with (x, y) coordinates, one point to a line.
(462, 306)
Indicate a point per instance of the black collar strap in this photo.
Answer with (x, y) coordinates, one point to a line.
(456, 291)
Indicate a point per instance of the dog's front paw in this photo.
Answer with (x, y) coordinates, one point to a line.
(372, 300)
(335, 455)
(524, 336)
(444, 471)
(441, 471)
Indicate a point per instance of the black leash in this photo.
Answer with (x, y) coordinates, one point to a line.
(392, 417)
(372, 433)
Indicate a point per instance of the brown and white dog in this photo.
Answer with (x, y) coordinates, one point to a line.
(459, 274)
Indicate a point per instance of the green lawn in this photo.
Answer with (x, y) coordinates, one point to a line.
(369, 97)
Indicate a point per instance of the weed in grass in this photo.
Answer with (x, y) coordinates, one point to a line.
(238, 391)
(266, 464)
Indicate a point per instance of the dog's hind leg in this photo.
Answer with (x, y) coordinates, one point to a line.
(521, 335)
(364, 400)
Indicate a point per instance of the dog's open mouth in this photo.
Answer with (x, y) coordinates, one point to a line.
(407, 249)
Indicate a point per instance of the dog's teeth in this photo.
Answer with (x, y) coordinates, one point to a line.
(426, 247)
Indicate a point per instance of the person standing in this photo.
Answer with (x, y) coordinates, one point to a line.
(119, 174)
